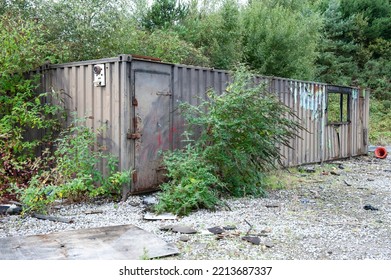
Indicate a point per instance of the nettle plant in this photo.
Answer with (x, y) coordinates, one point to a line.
(242, 132)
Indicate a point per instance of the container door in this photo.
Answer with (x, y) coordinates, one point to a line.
(152, 92)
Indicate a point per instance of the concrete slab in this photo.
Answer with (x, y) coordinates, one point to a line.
(124, 242)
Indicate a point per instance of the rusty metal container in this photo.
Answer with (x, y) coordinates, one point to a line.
(135, 101)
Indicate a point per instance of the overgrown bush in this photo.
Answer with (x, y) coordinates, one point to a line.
(22, 110)
(74, 175)
(242, 131)
(192, 185)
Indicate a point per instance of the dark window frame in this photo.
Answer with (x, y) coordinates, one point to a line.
(344, 94)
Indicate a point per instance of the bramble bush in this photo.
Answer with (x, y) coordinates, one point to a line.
(242, 132)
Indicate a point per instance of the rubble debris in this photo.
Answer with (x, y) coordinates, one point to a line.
(166, 227)
(150, 200)
(252, 239)
(251, 227)
(10, 209)
(92, 212)
(163, 216)
(184, 238)
(347, 183)
(308, 169)
(272, 205)
(370, 207)
(53, 218)
(183, 229)
(216, 230)
(268, 244)
(229, 227)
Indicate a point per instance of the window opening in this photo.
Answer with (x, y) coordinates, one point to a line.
(338, 107)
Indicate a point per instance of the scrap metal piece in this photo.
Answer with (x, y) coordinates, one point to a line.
(252, 239)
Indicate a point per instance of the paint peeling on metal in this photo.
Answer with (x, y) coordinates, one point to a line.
(309, 96)
(355, 93)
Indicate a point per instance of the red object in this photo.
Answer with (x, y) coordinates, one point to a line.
(381, 152)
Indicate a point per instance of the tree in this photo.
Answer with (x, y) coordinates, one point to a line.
(216, 31)
(83, 29)
(356, 44)
(279, 40)
(339, 47)
(377, 13)
(164, 14)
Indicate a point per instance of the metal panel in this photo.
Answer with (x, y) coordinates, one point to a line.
(190, 85)
(103, 108)
(305, 99)
(152, 90)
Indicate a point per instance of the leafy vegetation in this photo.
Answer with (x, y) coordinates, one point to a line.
(192, 184)
(72, 173)
(240, 132)
(21, 109)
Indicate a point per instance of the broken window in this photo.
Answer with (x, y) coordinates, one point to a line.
(338, 105)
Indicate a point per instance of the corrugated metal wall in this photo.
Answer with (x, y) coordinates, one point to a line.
(105, 109)
(307, 101)
(138, 108)
(190, 85)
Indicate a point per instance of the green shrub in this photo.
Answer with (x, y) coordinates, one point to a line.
(242, 129)
(73, 173)
(241, 132)
(192, 183)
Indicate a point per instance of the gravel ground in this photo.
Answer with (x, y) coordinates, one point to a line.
(318, 216)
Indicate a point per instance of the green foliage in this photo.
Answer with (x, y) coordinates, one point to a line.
(356, 45)
(279, 40)
(380, 122)
(82, 29)
(336, 63)
(164, 14)
(165, 45)
(355, 50)
(217, 33)
(377, 14)
(241, 132)
(23, 112)
(73, 173)
(192, 183)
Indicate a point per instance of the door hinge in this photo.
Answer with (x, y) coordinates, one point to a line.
(133, 136)
(134, 101)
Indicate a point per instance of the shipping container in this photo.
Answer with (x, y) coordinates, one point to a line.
(134, 102)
